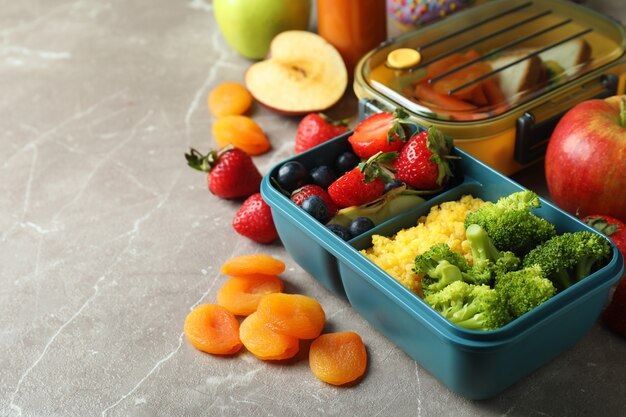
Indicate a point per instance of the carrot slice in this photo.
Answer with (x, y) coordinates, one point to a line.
(258, 263)
(493, 92)
(292, 314)
(427, 94)
(265, 344)
(471, 54)
(241, 295)
(461, 76)
(213, 329)
(338, 358)
(478, 97)
(442, 65)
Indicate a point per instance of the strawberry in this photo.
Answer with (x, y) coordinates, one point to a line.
(363, 183)
(381, 132)
(301, 194)
(254, 220)
(423, 163)
(615, 229)
(614, 316)
(316, 128)
(231, 171)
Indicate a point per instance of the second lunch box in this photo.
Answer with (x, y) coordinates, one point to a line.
(497, 77)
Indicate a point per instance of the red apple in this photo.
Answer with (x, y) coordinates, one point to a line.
(586, 159)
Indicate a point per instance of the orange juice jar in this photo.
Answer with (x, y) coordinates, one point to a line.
(354, 27)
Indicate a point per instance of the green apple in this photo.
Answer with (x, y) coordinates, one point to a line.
(250, 25)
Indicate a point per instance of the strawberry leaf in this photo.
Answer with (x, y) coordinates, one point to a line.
(602, 225)
(402, 127)
(440, 146)
(197, 160)
(373, 168)
(327, 119)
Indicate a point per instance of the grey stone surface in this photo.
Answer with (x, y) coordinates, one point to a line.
(107, 239)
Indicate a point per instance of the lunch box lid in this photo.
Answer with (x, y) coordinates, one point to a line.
(493, 61)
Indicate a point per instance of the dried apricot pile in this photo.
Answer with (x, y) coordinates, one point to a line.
(275, 322)
(228, 102)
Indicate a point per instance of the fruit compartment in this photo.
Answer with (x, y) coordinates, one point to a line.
(309, 242)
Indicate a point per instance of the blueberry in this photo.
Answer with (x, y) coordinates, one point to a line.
(323, 176)
(340, 231)
(393, 184)
(345, 162)
(292, 175)
(360, 225)
(316, 207)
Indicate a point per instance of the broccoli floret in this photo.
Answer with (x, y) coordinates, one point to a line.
(511, 224)
(474, 307)
(427, 261)
(570, 257)
(440, 266)
(525, 289)
(488, 260)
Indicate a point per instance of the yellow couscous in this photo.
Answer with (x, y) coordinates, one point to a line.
(443, 224)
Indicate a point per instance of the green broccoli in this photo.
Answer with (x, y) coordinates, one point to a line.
(474, 307)
(440, 266)
(570, 257)
(488, 260)
(511, 224)
(428, 260)
(525, 289)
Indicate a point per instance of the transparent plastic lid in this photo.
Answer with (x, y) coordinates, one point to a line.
(489, 59)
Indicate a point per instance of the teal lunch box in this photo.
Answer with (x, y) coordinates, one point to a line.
(474, 364)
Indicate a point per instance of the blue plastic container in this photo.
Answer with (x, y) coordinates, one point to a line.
(474, 364)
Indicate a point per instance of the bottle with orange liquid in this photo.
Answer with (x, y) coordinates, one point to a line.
(354, 27)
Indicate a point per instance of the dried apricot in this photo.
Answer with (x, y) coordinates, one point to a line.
(265, 344)
(258, 263)
(242, 132)
(213, 329)
(338, 358)
(241, 295)
(292, 314)
(229, 98)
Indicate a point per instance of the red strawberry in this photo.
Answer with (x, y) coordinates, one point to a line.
(614, 316)
(423, 163)
(381, 132)
(316, 128)
(254, 220)
(615, 229)
(231, 171)
(361, 184)
(301, 194)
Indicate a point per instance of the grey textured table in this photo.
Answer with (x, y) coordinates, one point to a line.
(107, 239)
